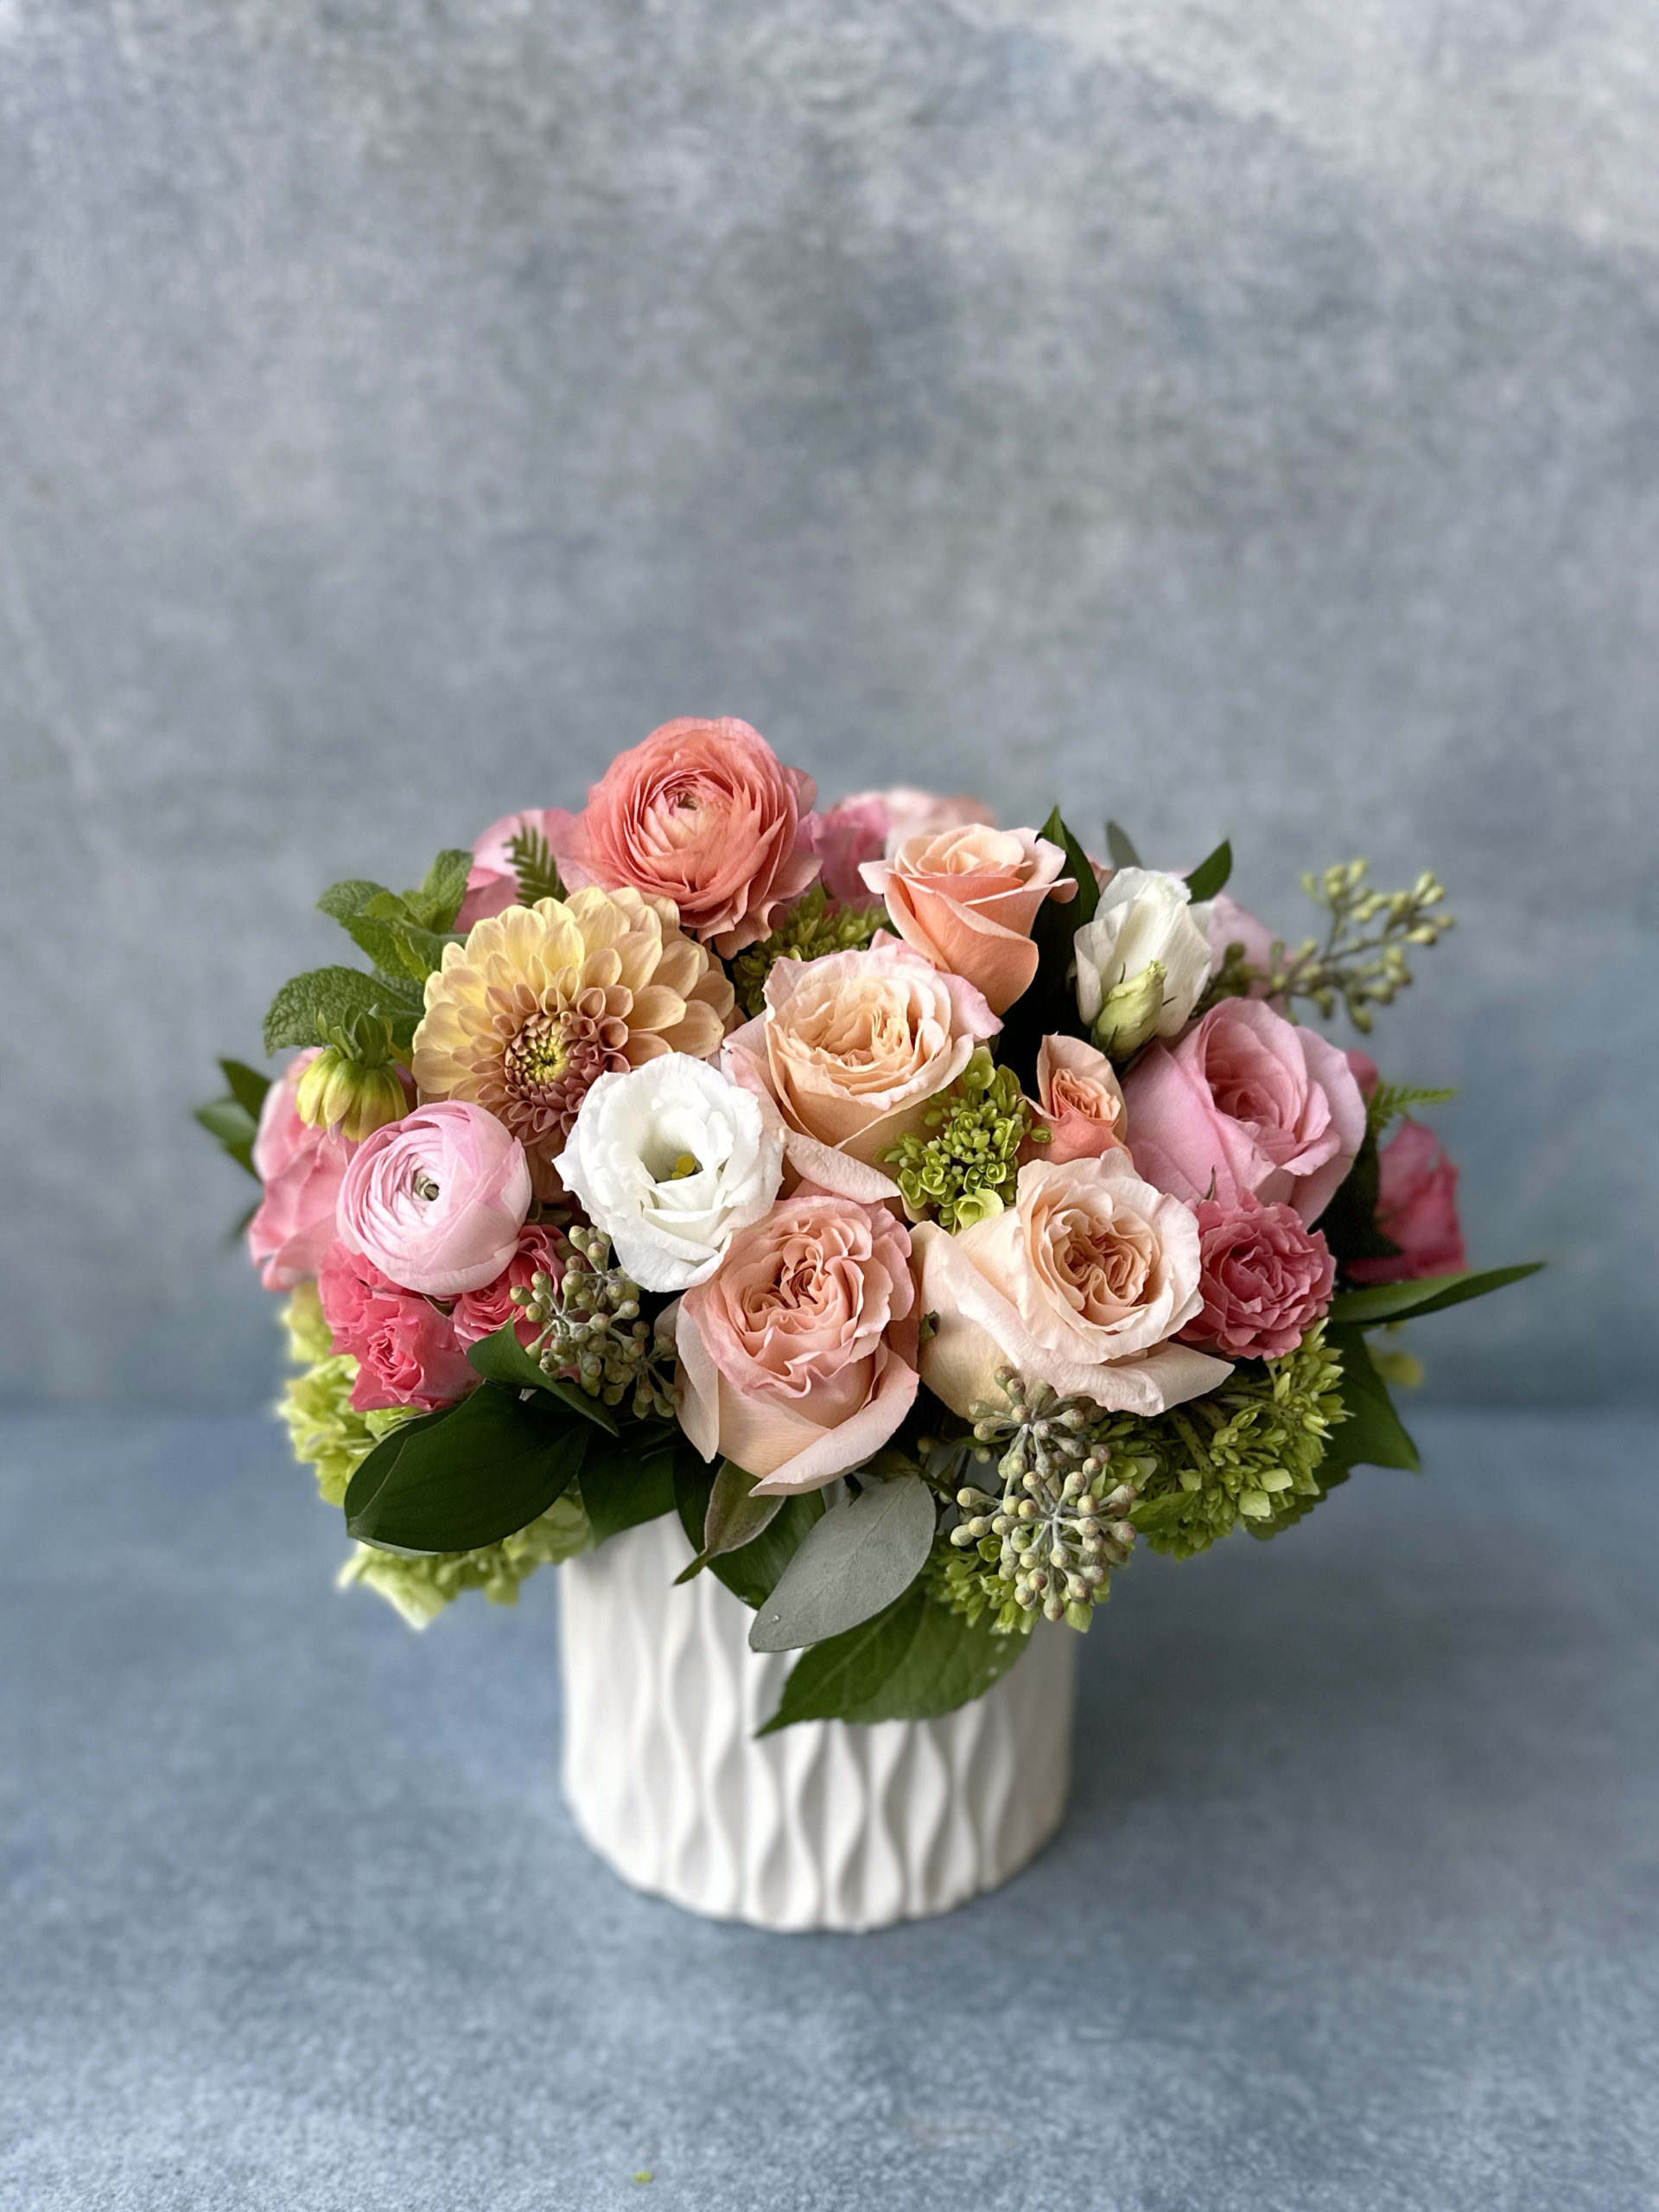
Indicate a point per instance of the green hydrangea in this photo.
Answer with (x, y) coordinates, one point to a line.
(966, 1170)
(1249, 1453)
(811, 928)
(420, 1586)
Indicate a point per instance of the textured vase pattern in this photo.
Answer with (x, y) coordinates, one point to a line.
(823, 1825)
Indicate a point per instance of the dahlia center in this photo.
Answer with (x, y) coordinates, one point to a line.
(537, 1055)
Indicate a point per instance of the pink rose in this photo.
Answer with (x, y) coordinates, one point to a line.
(1082, 1283)
(702, 813)
(1266, 1279)
(966, 899)
(404, 1347)
(1416, 1209)
(301, 1169)
(852, 1048)
(843, 836)
(437, 1199)
(479, 1313)
(799, 1356)
(492, 881)
(1246, 1101)
(1080, 1100)
(913, 813)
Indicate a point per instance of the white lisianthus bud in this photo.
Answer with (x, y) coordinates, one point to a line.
(1145, 922)
(670, 1159)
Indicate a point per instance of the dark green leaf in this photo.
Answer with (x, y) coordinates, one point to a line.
(915, 1662)
(1349, 1222)
(248, 1086)
(336, 995)
(1373, 1435)
(468, 1477)
(1211, 874)
(631, 1480)
(1070, 917)
(230, 1122)
(1051, 1004)
(342, 901)
(1120, 846)
(752, 1572)
(862, 1555)
(502, 1358)
(1392, 1301)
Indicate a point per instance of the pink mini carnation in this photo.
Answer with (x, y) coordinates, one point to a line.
(479, 1313)
(404, 1347)
(492, 881)
(1416, 1209)
(1265, 1279)
(301, 1169)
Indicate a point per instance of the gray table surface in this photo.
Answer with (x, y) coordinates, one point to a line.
(1356, 1904)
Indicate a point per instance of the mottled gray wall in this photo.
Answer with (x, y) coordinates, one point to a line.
(1232, 418)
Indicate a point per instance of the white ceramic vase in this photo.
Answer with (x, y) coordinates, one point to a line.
(824, 1825)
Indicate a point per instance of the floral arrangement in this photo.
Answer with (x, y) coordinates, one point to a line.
(926, 1213)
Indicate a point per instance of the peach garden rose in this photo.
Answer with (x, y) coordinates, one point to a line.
(966, 900)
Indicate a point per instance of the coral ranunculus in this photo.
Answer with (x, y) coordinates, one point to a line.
(301, 1168)
(404, 1347)
(799, 1355)
(702, 813)
(1416, 1209)
(1266, 1279)
(542, 1000)
(966, 900)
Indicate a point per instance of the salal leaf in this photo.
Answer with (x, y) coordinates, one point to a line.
(917, 1661)
(1120, 846)
(1392, 1301)
(467, 1476)
(1211, 873)
(502, 1358)
(630, 1479)
(865, 1553)
(1069, 918)
(335, 995)
(1373, 1435)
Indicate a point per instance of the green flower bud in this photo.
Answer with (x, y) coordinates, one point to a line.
(336, 1091)
(1129, 1012)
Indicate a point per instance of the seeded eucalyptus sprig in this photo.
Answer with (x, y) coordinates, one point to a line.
(590, 1329)
(1362, 961)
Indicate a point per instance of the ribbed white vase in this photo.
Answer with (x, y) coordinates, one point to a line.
(824, 1825)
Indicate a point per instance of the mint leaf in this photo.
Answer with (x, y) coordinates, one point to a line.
(438, 898)
(341, 900)
(1211, 874)
(915, 1662)
(1392, 1301)
(335, 994)
(863, 1554)
(457, 1480)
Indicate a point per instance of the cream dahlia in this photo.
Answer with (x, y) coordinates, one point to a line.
(542, 1000)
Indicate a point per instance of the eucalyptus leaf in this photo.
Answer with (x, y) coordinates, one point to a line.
(1392, 1301)
(917, 1661)
(1373, 1435)
(750, 1574)
(863, 1554)
(502, 1358)
(1120, 846)
(457, 1480)
(1211, 873)
(735, 1516)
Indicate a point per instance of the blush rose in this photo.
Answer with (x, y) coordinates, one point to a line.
(1080, 1102)
(1265, 1280)
(966, 900)
(1416, 1209)
(404, 1347)
(1246, 1101)
(797, 1357)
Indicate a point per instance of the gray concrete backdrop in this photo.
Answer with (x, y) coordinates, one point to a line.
(1229, 418)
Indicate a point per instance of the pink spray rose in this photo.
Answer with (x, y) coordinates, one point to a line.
(1246, 1101)
(492, 881)
(966, 899)
(702, 813)
(799, 1355)
(437, 1199)
(479, 1313)
(301, 1169)
(1266, 1279)
(404, 1347)
(1416, 1209)
(1080, 1102)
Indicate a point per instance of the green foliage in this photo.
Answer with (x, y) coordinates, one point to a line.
(631, 1480)
(735, 1517)
(917, 1661)
(967, 1168)
(420, 1586)
(855, 1562)
(811, 928)
(502, 1358)
(1251, 1450)
(309, 1006)
(534, 865)
(1349, 1222)
(234, 1118)
(458, 1480)
(1373, 1434)
(1392, 1301)
(1120, 846)
(752, 1572)
(1050, 1004)
(1212, 873)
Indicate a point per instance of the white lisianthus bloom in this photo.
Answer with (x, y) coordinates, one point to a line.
(670, 1159)
(1143, 962)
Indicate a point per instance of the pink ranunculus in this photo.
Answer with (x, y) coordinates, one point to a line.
(479, 1313)
(1416, 1209)
(966, 899)
(1265, 1280)
(404, 1347)
(705, 814)
(798, 1356)
(301, 1169)
(843, 836)
(437, 1199)
(1080, 1103)
(1246, 1101)
(492, 881)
